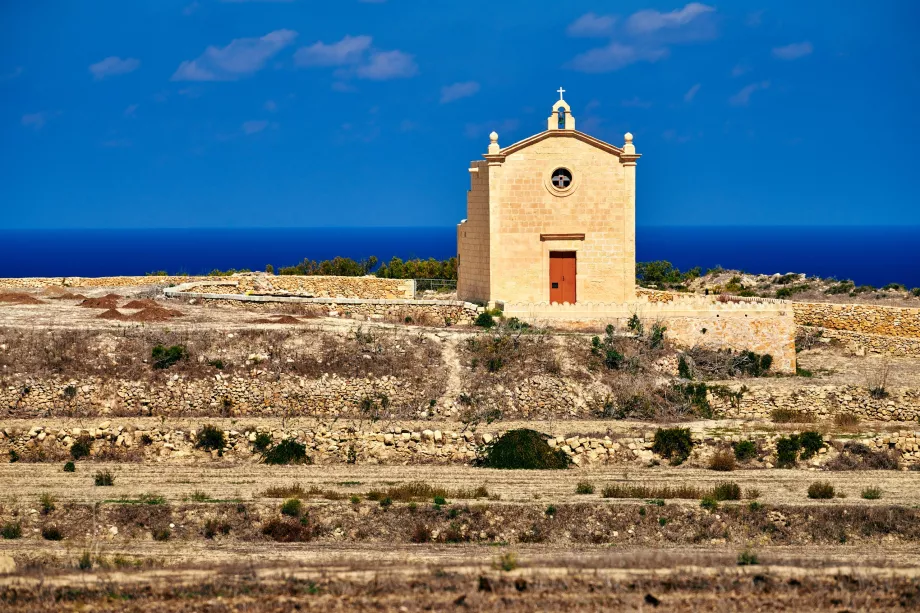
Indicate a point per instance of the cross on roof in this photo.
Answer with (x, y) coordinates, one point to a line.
(561, 91)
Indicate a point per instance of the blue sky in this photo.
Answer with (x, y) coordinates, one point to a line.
(209, 113)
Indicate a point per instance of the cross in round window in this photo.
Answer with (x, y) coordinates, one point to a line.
(562, 178)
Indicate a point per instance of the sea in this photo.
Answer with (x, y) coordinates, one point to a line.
(874, 255)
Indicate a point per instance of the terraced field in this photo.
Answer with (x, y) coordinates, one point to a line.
(185, 528)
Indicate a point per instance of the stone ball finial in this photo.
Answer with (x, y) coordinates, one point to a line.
(493, 137)
(628, 137)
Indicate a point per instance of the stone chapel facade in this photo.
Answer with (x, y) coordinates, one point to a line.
(550, 219)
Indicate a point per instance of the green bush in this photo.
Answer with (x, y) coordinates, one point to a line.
(727, 491)
(787, 451)
(161, 533)
(744, 450)
(80, 448)
(747, 558)
(709, 504)
(47, 503)
(104, 478)
(872, 493)
(485, 320)
(85, 562)
(752, 364)
(683, 368)
(523, 449)
(164, 357)
(262, 442)
(287, 451)
(210, 438)
(656, 338)
(605, 349)
(811, 443)
(673, 443)
(11, 530)
(69, 467)
(51, 533)
(291, 507)
(584, 487)
(821, 490)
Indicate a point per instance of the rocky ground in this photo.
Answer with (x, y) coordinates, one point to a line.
(191, 529)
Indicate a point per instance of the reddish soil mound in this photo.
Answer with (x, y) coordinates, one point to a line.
(278, 319)
(155, 314)
(19, 298)
(109, 301)
(141, 304)
(112, 314)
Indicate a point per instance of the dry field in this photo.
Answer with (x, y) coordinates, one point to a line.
(216, 534)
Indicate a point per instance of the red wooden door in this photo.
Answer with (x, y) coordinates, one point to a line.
(562, 271)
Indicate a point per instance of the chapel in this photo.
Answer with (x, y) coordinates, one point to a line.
(550, 219)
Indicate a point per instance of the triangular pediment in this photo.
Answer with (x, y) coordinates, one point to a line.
(536, 138)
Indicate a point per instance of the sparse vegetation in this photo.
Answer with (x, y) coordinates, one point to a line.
(722, 460)
(726, 491)
(872, 493)
(858, 456)
(210, 438)
(747, 558)
(291, 507)
(744, 450)
(80, 448)
(663, 492)
(288, 451)
(163, 357)
(51, 532)
(11, 530)
(47, 503)
(584, 488)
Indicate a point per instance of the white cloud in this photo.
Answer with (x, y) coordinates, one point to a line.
(650, 20)
(254, 127)
(113, 66)
(349, 50)
(591, 24)
(449, 93)
(634, 102)
(270, 106)
(241, 58)
(131, 110)
(691, 93)
(615, 56)
(38, 120)
(743, 97)
(385, 65)
(793, 51)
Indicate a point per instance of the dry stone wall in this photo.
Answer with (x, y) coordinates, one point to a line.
(864, 318)
(822, 402)
(861, 343)
(434, 443)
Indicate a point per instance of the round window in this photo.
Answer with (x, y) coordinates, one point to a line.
(562, 178)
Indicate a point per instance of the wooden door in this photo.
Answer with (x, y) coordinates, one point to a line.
(562, 270)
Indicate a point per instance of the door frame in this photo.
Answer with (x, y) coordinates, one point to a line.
(549, 262)
(571, 242)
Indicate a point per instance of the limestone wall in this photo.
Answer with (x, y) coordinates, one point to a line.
(822, 402)
(40, 282)
(396, 444)
(473, 238)
(860, 343)
(869, 319)
(690, 321)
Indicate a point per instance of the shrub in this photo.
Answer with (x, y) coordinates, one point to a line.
(440, 500)
(104, 478)
(722, 460)
(209, 438)
(747, 558)
(14, 456)
(787, 451)
(262, 442)
(51, 533)
(287, 451)
(523, 449)
(485, 320)
(85, 562)
(857, 456)
(11, 530)
(388, 502)
(46, 502)
(811, 443)
(550, 511)
(785, 416)
(163, 357)
(218, 364)
(728, 490)
(291, 507)
(673, 443)
(683, 368)
(846, 420)
(652, 493)
(421, 534)
(753, 493)
(709, 504)
(287, 530)
(80, 448)
(161, 534)
(744, 450)
(752, 364)
(821, 490)
(872, 493)
(69, 467)
(584, 487)
(656, 338)
(507, 562)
